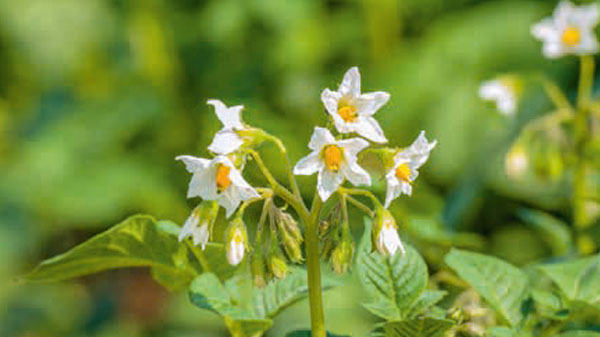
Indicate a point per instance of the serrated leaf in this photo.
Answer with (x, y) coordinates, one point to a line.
(427, 299)
(207, 292)
(503, 285)
(577, 279)
(423, 327)
(138, 241)
(248, 327)
(554, 231)
(394, 283)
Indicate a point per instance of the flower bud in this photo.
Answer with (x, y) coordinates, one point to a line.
(385, 236)
(277, 266)
(292, 247)
(257, 268)
(341, 257)
(516, 161)
(237, 240)
(291, 225)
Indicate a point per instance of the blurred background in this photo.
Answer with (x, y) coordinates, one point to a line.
(97, 97)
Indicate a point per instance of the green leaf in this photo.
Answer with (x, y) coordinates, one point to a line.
(577, 279)
(422, 327)
(427, 299)
(137, 241)
(248, 327)
(580, 333)
(503, 285)
(307, 333)
(554, 231)
(394, 283)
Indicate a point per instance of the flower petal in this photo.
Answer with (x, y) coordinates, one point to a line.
(328, 182)
(225, 142)
(393, 188)
(189, 226)
(193, 164)
(352, 147)
(203, 185)
(308, 165)
(319, 138)
(330, 100)
(369, 103)
(230, 117)
(356, 174)
(369, 128)
(351, 83)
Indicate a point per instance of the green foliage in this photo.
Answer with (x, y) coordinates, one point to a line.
(248, 311)
(555, 232)
(421, 327)
(307, 333)
(579, 334)
(138, 241)
(396, 285)
(504, 286)
(577, 279)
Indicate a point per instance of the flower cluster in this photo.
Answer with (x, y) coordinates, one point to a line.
(335, 157)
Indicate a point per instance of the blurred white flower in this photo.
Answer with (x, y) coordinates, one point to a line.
(502, 92)
(227, 140)
(236, 248)
(388, 242)
(401, 176)
(352, 111)
(198, 232)
(570, 30)
(334, 160)
(219, 180)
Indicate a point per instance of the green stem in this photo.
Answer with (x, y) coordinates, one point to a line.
(356, 191)
(557, 96)
(199, 254)
(288, 165)
(313, 266)
(581, 130)
(361, 206)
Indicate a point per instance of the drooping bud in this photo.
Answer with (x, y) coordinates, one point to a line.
(291, 246)
(291, 225)
(385, 235)
(257, 268)
(277, 266)
(341, 257)
(237, 240)
(516, 161)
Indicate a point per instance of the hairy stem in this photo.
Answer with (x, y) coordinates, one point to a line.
(581, 129)
(313, 265)
(360, 206)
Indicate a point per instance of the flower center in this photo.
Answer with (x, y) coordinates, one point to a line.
(237, 237)
(333, 157)
(222, 177)
(348, 113)
(571, 36)
(403, 172)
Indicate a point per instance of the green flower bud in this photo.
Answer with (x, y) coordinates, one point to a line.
(236, 241)
(292, 247)
(291, 225)
(257, 268)
(341, 257)
(278, 266)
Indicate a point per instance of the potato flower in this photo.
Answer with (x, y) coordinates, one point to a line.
(352, 111)
(217, 179)
(335, 160)
(227, 140)
(404, 171)
(192, 227)
(386, 235)
(503, 92)
(570, 30)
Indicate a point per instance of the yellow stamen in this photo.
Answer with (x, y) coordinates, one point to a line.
(237, 237)
(403, 172)
(571, 36)
(222, 178)
(333, 157)
(348, 113)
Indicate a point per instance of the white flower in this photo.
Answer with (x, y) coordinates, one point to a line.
(236, 248)
(334, 160)
(388, 242)
(352, 111)
(217, 179)
(570, 30)
(198, 232)
(401, 176)
(227, 140)
(502, 93)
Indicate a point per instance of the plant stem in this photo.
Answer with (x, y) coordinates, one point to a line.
(288, 166)
(360, 206)
(313, 266)
(581, 130)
